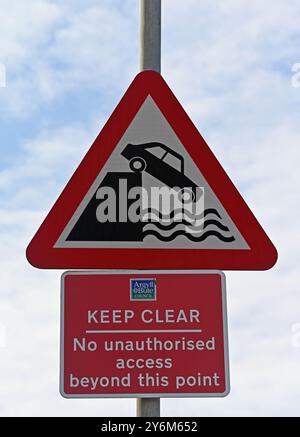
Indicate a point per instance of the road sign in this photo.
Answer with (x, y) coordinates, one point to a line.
(144, 334)
(150, 194)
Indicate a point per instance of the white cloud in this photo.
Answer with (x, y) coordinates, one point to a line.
(25, 27)
(51, 48)
(229, 48)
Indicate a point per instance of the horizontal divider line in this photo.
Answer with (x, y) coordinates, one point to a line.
(115, 331)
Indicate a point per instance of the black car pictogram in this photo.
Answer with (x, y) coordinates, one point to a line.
(160, 161)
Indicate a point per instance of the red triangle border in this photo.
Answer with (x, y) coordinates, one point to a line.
(262, 254)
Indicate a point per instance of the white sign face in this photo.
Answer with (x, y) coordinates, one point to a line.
(150, 194)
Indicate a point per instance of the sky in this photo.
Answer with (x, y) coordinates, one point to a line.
(230, 64)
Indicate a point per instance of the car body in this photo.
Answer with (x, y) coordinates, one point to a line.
(153, 158)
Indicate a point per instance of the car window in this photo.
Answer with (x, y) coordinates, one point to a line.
(173, 161)
(157, 151)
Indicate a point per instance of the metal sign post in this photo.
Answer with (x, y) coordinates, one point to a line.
(151, 35)
(150, 60)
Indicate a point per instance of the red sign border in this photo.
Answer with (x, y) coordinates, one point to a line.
(41, 253)
(148, 395)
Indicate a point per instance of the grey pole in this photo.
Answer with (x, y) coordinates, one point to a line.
(151, 35)
(148, 407)
(150, 60)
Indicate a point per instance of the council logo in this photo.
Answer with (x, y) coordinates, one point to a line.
(142, 289)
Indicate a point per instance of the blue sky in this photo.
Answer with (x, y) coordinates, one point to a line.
(229, 62)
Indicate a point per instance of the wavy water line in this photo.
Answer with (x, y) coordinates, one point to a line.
(216, 223)
(196, 231)
(181, 211)
(189, 225)
(189, 236)
(178, 218)
(169, 232)
(172, 225)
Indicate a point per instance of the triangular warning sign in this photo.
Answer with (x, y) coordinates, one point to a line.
(150, 194)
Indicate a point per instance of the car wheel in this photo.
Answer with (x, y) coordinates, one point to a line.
(137, 164)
